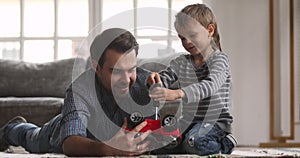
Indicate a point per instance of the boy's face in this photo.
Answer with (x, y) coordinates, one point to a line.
(118, 72)
(194, 37)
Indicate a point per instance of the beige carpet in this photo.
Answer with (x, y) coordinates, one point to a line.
(18, 152)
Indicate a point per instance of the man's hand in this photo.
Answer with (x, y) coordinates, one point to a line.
(164, 94)
(124, 143)
(130, 142)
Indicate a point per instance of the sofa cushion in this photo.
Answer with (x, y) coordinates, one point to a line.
(50, 79)
(158, 63)
(36, 110)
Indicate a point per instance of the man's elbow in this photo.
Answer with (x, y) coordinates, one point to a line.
(74, 146)
(66, 147)
(69, 147)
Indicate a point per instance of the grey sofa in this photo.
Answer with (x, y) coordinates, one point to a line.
(36, 91)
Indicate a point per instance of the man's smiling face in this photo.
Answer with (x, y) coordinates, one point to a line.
(118, 72)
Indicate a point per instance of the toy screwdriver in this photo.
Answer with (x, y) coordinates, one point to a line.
(156, 103)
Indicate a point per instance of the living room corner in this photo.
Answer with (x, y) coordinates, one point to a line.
(40, 57)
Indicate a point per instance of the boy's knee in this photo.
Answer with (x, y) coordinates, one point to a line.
(228, 144)
(201, 146)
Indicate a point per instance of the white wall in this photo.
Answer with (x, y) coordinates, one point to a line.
(297, 68)
(244, 27)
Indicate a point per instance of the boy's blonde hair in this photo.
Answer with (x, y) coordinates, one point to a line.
(202, 14)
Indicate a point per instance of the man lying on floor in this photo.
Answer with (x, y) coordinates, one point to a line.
(97, 107)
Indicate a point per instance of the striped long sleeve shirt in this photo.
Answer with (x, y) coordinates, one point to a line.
(207, 88)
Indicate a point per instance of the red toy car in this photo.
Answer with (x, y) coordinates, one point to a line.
(165, 132)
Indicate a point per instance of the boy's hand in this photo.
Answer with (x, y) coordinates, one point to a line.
(164, 94)
(153, 78)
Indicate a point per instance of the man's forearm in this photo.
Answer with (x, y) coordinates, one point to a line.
(81, 146)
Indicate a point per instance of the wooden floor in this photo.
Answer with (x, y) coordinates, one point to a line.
(19, 152)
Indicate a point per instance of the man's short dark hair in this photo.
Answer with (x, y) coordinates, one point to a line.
(117, 39)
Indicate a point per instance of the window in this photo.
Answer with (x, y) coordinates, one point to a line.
(160, 41)
(47, 30)
(43, 30)
(154, 41)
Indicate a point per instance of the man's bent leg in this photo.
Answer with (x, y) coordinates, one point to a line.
(34, 139)
(16, 134)
(3, 144)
